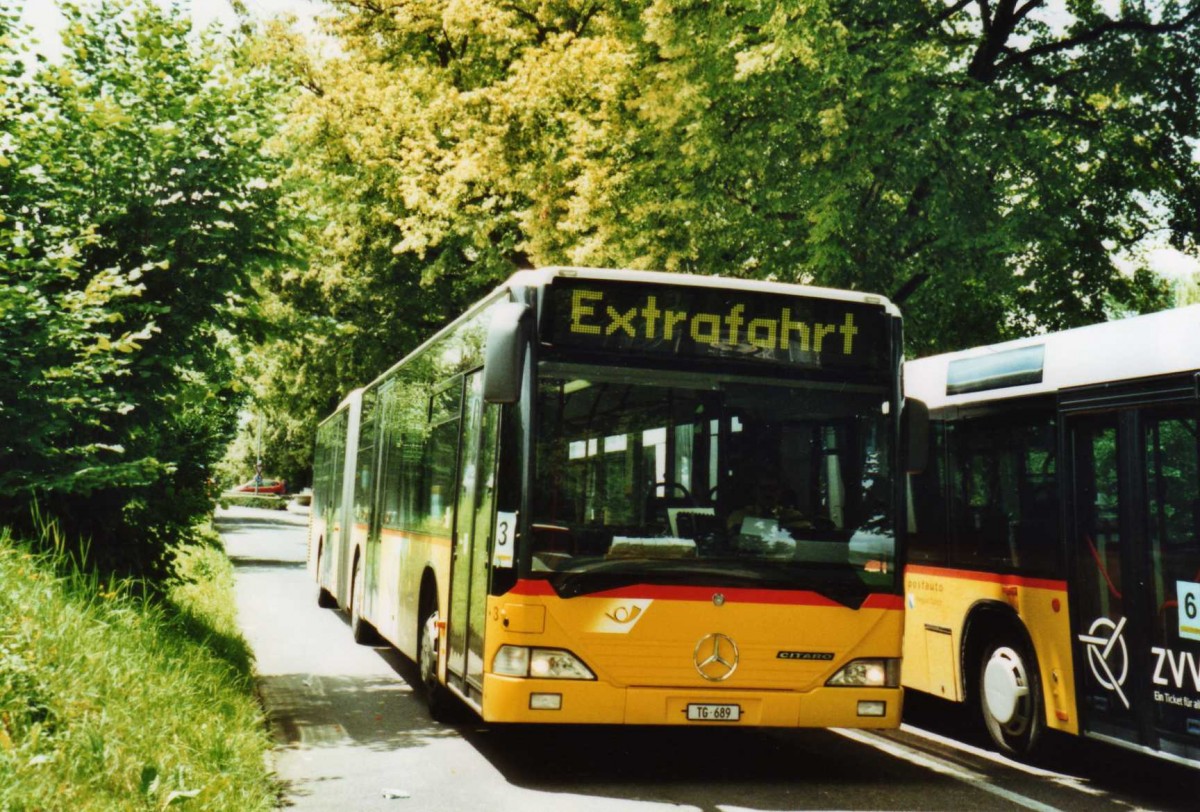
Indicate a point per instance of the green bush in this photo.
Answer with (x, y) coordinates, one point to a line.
(265, 502)
(136, 210)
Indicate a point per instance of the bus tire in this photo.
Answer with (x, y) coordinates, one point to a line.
(364, 633)
(1011, 703)
(325, 598)
(437, 698)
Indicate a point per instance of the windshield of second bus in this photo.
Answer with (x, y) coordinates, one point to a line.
(648, 478)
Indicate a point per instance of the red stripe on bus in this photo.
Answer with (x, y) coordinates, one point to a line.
(705, 593)
(409, 535)
(988, 577)
(877, 600)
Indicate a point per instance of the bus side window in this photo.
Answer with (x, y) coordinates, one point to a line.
(438, 464)
(974, 496)
(927, 524)
(1003, 496)
(1037, 531)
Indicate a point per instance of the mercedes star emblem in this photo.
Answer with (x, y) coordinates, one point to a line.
(716, 657)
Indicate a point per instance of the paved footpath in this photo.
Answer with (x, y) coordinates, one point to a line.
(351, 734)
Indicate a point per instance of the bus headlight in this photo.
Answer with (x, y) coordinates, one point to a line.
(876, 673)
(557, 664)
(511, 661)
(540, 663)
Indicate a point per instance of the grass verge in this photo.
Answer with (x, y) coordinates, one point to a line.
(111, 699)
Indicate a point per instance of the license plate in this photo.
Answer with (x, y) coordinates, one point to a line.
(714, 713)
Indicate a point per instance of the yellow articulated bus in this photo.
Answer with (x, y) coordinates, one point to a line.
(1053, 576)
(631, 497)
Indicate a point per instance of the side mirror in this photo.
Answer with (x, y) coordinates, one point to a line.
(504, 358)
(914, 434)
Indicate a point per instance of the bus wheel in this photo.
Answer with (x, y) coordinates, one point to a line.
(325, 598)
(1010, 697)
(436, 696)
(364, 633)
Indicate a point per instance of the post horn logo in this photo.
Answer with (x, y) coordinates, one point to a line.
(624, 614)
(716, 657)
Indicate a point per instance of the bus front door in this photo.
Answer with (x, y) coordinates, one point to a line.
(1170, 453)
(475, 513)
(1104, 625)
(1135, 525)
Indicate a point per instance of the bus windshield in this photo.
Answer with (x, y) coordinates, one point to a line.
(657, 477)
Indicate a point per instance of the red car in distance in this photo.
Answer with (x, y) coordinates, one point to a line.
(276, 487)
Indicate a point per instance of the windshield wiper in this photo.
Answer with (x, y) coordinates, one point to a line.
(597, 576)
(835, 582)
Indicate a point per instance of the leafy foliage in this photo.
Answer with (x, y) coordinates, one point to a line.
(1003, 151)
(433, 157)
(138, 205)
(1006, 153)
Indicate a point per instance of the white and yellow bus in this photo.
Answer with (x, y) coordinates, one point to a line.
(631, 497)
(1053, 577)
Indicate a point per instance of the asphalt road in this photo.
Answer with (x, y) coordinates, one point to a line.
(353, 735)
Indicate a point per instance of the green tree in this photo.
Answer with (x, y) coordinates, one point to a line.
(1004, 152)
(420, 155)
(1187, 291)
(65, 350)
(143, 206)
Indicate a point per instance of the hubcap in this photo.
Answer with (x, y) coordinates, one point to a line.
(1005, 685)
(355, 614)
(429, 650)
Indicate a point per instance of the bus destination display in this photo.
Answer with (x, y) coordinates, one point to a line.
(631, 318)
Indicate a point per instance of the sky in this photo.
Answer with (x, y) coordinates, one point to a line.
(46, 21)
(1173, 264)
(43, 16)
